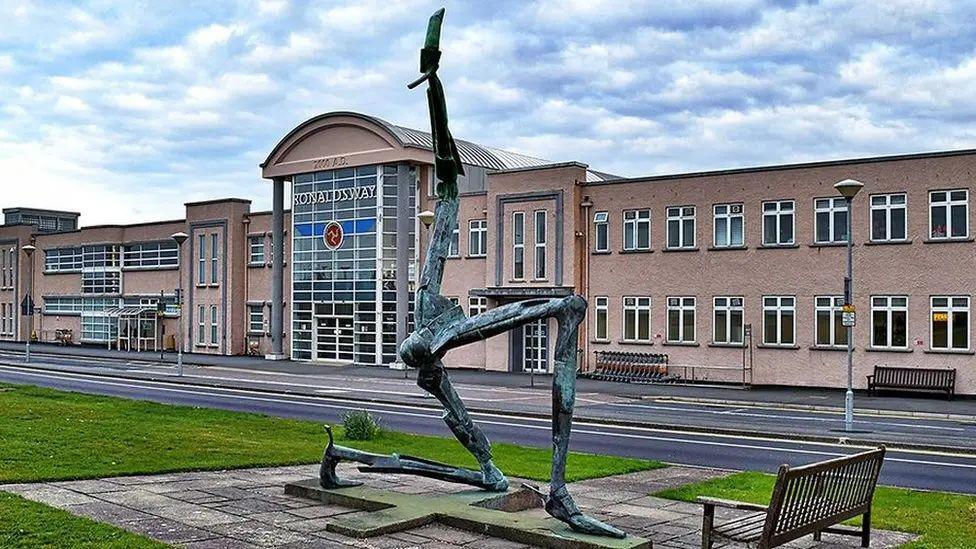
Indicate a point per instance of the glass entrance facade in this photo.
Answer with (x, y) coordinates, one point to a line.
(344, 297)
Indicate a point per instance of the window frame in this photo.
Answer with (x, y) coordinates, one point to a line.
(201, 325)
(831, 210)
(950, 308)
(478, 238)
(682, 308)
(202, 259)
(680, 218)
(454, 244)
(636, 309)
(214, 335)
(256, 258)
(728, 308)
(889, 308)
(477, 305)
(540, 226)
(601, 306)
(255, 317)
(835, 312)
(214, 263)
(601, 221)
(778, 214)
(518, 245)
(635, 223)
(888, 208)
(947, 204)
(726, 219)
(779, 308)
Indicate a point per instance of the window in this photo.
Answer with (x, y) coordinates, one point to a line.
(540, 244)
(888, 217)
(453, 249)
(518, 245)
(256, 250)
(681, 319)
(101, 282)
(255, 319)
(213, 259)
(889, 321)
(779, 320)
(7, 259)
(62, 260)
(478, 237)
(830, 220)
(727, 320)
(601, 316)
(535, 346)
(950, 323)
(831, 331)
(601, 227)
(681, 227)
(150, 255)
(202, 271)
(778, 223)
(637, 319)
(729, 223)
(100, 256)
(949, 214)
(637, 230)
(213, 325)
(201, 325)
(477, 305)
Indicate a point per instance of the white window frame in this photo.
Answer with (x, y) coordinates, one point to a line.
(601, 222)
(202, 325)
(779, 308)
(478, 238)
(214, 333)
(778, 213)
(477, 305)
(640, 308)
(538, 332)
(833, 305)
(454, 245)
(831, 206)
(518, 245)
(948, 203)
(202, 259)
(680, 215)
(255, 319)
(214, 254)
(886, 304)
(636, 221)
(888, 208)
(949, 309)
(540, 233)
(682, 305)
(726, 305)
(733, 210)
(601, 309)
(256, 250)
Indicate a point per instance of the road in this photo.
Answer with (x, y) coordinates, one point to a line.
(913, 469)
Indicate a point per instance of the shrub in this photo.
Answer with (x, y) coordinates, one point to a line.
(360, 425)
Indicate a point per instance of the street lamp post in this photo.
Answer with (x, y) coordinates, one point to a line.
(180, 238)
(849, 188)
(28, 298)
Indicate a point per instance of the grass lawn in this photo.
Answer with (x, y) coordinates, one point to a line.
(53, 435)
(26, 524)
(943, 520)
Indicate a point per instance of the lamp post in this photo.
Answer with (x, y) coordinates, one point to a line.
(180, 238)
(29, 299)
(849, 188)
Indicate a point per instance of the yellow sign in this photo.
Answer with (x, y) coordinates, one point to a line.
(848, 308)
(940, 317)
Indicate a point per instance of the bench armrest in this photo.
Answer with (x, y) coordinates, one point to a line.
(870, 376)
(730, 504)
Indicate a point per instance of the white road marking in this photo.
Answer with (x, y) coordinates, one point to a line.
(293, 399)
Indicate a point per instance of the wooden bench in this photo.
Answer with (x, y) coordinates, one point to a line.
(913, 379)
(806, 500)
(630, 367)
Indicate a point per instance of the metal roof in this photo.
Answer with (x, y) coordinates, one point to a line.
(128, 311)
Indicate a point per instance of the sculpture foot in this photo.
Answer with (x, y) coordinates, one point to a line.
(559, 503)
(495, 480)
(327, 471)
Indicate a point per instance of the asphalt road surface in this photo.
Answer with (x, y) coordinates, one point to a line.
(912, 469)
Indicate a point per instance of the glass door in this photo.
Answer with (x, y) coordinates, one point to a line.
(535, 345)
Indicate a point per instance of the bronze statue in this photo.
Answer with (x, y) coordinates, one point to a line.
(442, 326)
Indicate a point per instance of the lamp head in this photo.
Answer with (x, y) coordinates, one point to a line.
(848, 188)
(426, 217)
(180, 238)
(29, 249)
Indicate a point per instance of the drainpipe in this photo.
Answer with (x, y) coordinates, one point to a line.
(247, 288)
(587, 204)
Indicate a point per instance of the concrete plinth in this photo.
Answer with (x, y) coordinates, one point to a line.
(497, 515)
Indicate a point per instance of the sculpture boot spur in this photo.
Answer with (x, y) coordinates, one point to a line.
(559, 504)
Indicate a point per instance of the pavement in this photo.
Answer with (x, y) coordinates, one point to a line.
(248, 509)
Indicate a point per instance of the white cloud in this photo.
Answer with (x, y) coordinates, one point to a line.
(67, 104)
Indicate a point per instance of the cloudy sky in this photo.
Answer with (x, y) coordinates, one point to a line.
(124, 110)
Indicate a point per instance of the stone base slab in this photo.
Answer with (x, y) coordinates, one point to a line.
(386, 512)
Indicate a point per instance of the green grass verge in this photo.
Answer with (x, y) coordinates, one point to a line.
(942, 520)
(56, 435)
(26, 524)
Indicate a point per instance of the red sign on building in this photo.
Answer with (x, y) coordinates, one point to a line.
(333, 235)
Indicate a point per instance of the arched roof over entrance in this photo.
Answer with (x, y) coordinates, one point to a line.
(338, 139)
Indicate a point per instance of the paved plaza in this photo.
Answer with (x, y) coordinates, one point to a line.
(247, 508)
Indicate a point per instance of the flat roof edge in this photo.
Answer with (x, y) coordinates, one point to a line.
(796, 166)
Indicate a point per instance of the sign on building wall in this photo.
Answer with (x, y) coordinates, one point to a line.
(333, 235)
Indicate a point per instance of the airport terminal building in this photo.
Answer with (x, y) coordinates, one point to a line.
(734, 274)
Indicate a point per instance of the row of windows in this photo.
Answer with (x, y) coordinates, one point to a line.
(72, 305)
(949, 321)
(948, 219)
(144, 255)
(151, 255)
